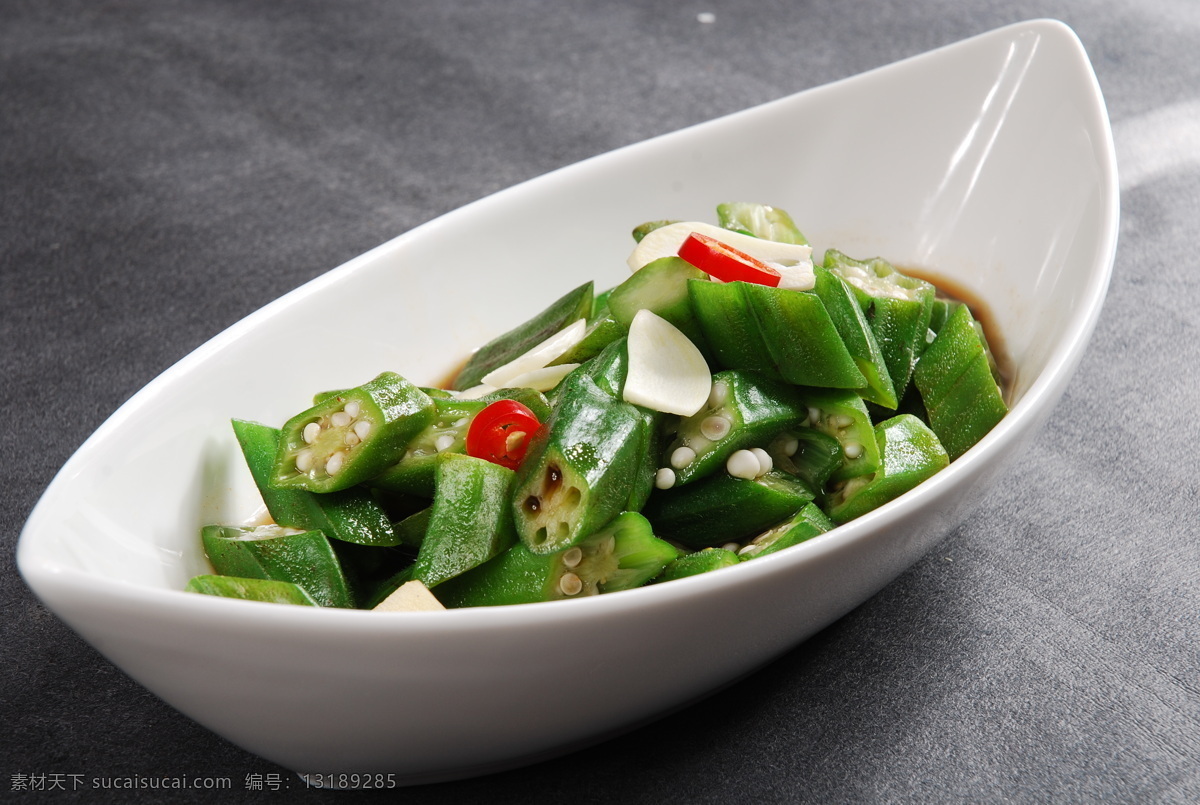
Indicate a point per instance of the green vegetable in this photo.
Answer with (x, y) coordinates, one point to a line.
(351, 437)
(304, 558)
(516, 342)
(761, 221)
(268, 590)
(804, 525)
(702, 561)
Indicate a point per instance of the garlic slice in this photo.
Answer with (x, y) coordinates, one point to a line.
(539, 357)
(666, 371)
(542, 379)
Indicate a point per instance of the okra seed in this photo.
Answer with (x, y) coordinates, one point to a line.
(790, 446)
(814, 416)
(852, 450)
(458, 423)
(743, 464)
(718, 395)
(731, 546)
(341, 419)
(572, 557)
(334, 463)
(443, 442)
(764, 459)
(352, 408)
(682, 457)
(664, 478)
(351, 438)
(311, 431)
(361, 428)
(304, 460)
(843, 421)
(715, 427)
(570, 584)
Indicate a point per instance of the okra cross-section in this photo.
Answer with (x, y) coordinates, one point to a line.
(352, 436)
(581, 469)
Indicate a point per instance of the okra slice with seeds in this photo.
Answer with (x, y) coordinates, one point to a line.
(352, 515)
(564, 311)
(744, 410)
(303, 558)
(470, 520)
(446, 433)
(266, 590)
(351, 437)
(697, 562)
(722, 509)
(899, 309)
(805, 524)
(581, 469)
(909, 454)
(844, 416)
(622, 555)
(807, 453)
(761, 221)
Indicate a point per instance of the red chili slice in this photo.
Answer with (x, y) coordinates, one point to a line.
(726, 263)
(501, 432)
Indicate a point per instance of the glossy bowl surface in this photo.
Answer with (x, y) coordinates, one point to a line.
(989, 161)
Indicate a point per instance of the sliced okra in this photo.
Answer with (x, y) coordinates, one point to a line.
(805, 524)
(856, 333)
(352, 515)
(802, 340)
(470, 520)
(601, 331)
(697, 562)
(267, 590)
(743, 410)
(723, 508)
(957, 384)
(414, 473)
(564, 311)
(661, 287)
(351, 437)
(909, 453)
(844, 416)
(581, 469)
(809, 454)
(730, 328)
(899, 309)
(622, 555)
(761, 221)
(303, 558)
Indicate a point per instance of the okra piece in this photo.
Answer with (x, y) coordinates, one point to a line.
(730, 327)
(601, 331)
(622, 555)
(909, 454)
(351, 437)
(642, 230)
(581, 469)
(801, 338)
(564, 311)
(844, 416)
(303, 558)
(957, 386)
(470, 520)
(411, 530)
(807, 453)
(761, 221)
(414, 473)
(661, 287)
(721, 508)
(851, 324)
(351, 515)
(743, 410)
(805, 524)
(899, 309)
(268, 590)
(702, 561)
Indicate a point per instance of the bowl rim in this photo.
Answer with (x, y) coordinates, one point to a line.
(51, 580)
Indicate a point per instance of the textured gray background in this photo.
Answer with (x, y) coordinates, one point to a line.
(168, 167)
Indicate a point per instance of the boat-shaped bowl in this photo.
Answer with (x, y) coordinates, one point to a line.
(989, 162)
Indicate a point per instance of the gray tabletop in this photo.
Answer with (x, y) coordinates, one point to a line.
(168, 167)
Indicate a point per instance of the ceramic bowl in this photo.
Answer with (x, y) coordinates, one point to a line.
(989, 162)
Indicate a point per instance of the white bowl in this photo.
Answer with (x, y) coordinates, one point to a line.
(989, 161)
